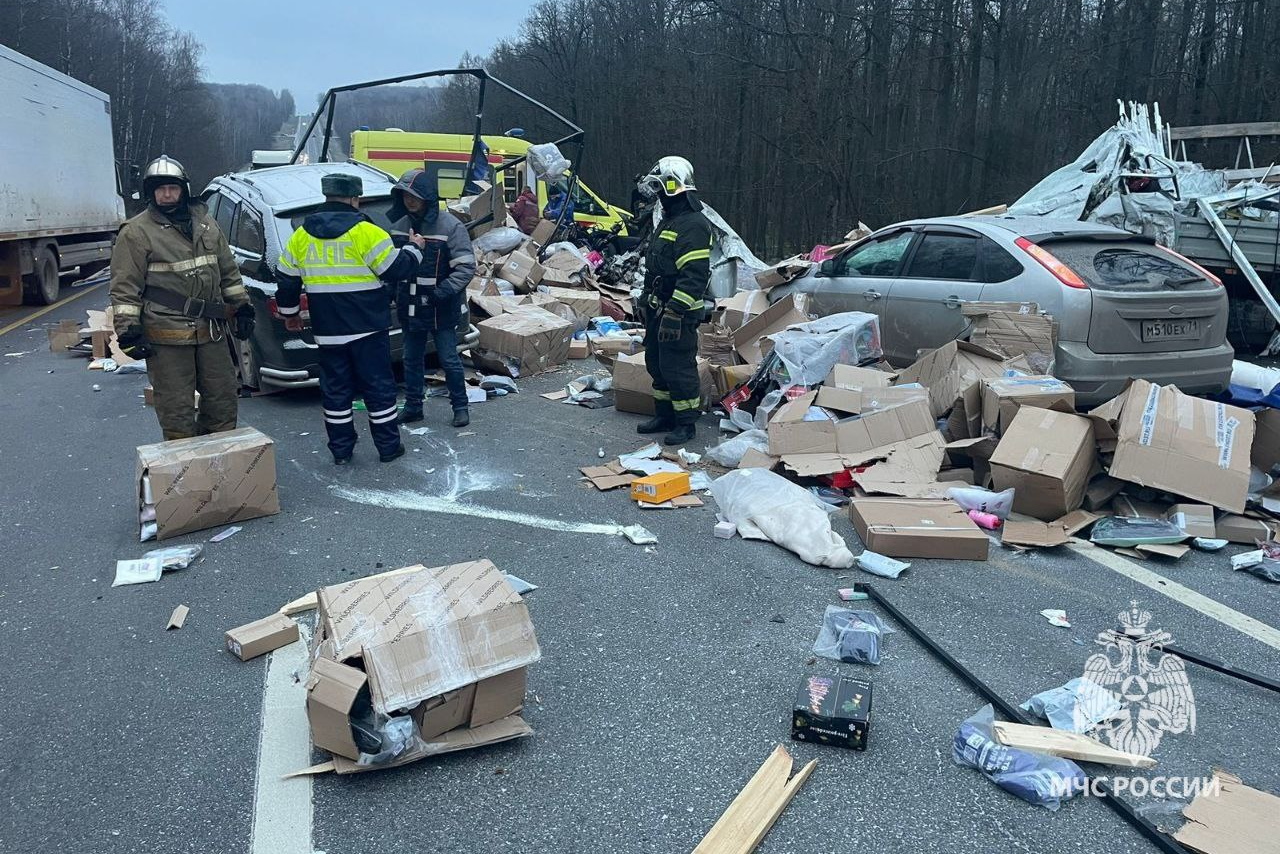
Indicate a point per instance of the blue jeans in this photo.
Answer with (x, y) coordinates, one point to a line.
(415, 356)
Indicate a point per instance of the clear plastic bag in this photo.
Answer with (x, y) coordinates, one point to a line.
(767, 506)
(547, 161)
(850, 636)
(1038, 779)
(501, 240)
(176, 557)
(730, 452)
(1078, 706)
(1133, 531)
(984, 500)
(808, 351)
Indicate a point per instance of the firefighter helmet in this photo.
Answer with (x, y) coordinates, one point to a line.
(670, 176)
(164, 170)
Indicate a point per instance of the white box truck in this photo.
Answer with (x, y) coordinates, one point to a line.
(60, 201)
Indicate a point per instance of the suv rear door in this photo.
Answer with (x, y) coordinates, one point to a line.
(942, 272)
(1145, 299)
(861, 278)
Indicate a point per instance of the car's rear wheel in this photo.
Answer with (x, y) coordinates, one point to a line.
(42, 286)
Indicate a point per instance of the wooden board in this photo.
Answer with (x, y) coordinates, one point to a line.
(1226, 131)
(754, 811)
(1069, 745)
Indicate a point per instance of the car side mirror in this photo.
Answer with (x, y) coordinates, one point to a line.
(827, 267)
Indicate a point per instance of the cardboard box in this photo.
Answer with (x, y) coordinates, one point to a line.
(578, 349)
(1265, 451)
(207, 481)
(791, 433)
(1001, 399)
(633, 387)
(521, 270)
(661, 487)
(782, 272)
(65, 334)
(736, 310)
(862, 401)
(584, 303)
(530, 340)
(261, 636)
(854, 377)
(777, 317)
(729, 377)
(1247, 530)
(950, 369)
(834, 710)
(542, 232)
(906, 527)
(447, 645)
(1196, 519)
(1185, 445)
(1013, 329)
(1046, 456)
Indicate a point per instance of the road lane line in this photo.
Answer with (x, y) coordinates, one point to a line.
(1243, 623)
(48, 308)
(282, 809)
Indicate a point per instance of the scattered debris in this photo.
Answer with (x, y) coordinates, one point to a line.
(878, 564)
(639, 535)
(767, 506)
(261, 636)
(611, 476)
(850, 636)
(725, 530)
(1067, 745)
(660, 488)
(1056, 617)
(1036, 778)
(178, 617)
(753, 812)
(1078, 706)
(225, 534)
(1231, 818)
(141, 571)
(833, 710)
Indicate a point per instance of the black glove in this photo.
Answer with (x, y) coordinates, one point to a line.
(244, 322)
(669, 326)
(133, 343)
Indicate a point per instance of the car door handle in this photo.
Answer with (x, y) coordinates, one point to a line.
(953, 301)
(871, 295)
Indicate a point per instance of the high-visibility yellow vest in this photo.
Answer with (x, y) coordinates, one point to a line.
(345, 264)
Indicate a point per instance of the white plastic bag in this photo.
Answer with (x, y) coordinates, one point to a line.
(731, 451)
(766, 506)
(501, 240)
(977, 498)
(547, 161)
(809, 350)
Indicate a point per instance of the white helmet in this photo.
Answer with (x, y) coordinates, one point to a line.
(670, 176)
(164, 170)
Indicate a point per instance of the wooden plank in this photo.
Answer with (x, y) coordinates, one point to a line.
(1069, 745)
(743, 826)
(1226, 131)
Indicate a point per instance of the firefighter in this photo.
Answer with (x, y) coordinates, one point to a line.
(175, 294)
(338, 255)
(677, 272)
(430, 301)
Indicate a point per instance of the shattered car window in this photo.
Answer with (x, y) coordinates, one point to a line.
(1133, 267)
(880, 258)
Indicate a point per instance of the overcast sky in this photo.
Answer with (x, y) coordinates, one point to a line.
(307, 47)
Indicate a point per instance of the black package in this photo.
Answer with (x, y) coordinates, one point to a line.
(833, 710)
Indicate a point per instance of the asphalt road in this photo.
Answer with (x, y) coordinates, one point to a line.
(666, 678)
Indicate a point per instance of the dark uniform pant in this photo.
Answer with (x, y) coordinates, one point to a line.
(673, 366)
(177, 372)
(363, 366)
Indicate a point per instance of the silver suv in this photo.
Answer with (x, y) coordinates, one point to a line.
(1124, 305)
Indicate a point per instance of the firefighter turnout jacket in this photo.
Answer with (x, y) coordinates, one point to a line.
(180, 289)
(341, 258)
(678, 265)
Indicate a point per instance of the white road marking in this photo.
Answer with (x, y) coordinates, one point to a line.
(1243, 623)
(282, 808)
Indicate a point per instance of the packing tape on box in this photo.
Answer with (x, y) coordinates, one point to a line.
(1149, 416)
(920, 528)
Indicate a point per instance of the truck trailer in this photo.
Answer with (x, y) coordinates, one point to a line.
(60, 199)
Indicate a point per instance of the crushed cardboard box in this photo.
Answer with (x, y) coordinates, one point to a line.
(633, 387)
(1001, 399)
(859, 378)
(528, 341)
(733, 312)
(1046, 457)
(207, 481)
(446, 646)
(777, 317)
(583, 302)
(521, 270)
(1265, 451)
(950, 369)
(899, 527)
(1014, 329)
(1185, 445)
(792, 432)
(783, 272)
(64, 336)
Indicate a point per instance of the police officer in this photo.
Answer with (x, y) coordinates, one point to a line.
(338, 255)
(677, 271)
(429, 302)
(175, 294)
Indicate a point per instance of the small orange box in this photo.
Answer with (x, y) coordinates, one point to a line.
(661, 487)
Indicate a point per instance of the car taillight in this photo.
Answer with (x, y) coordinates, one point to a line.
(1185, 260)
(1052, 263)
(303, 310)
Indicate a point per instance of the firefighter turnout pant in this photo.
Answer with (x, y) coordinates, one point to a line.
(673, 366)
(361, 366)
(177, 372)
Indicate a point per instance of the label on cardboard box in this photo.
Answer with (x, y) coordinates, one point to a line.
(834, 710)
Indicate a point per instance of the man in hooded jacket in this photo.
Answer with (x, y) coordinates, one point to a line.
(429, 302)
(175, 294)
(338, 255)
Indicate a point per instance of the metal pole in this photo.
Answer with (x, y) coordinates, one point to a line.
(315, 117)
(1238, 256)
(328, 129)
(1221, 667)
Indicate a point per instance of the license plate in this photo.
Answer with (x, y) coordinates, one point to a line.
(1170, 330)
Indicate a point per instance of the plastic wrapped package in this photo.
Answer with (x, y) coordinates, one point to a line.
(1134, 531)
(808, 351)
(547, 161)
(984, 500)
(729, 453)
(850, 636)
(1267, 569)
(767, 506)
(1037, 778)
(564, 246)
(394, 737)
(175, 557)
(500, 240)
(881, 565)
(1078, 706)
